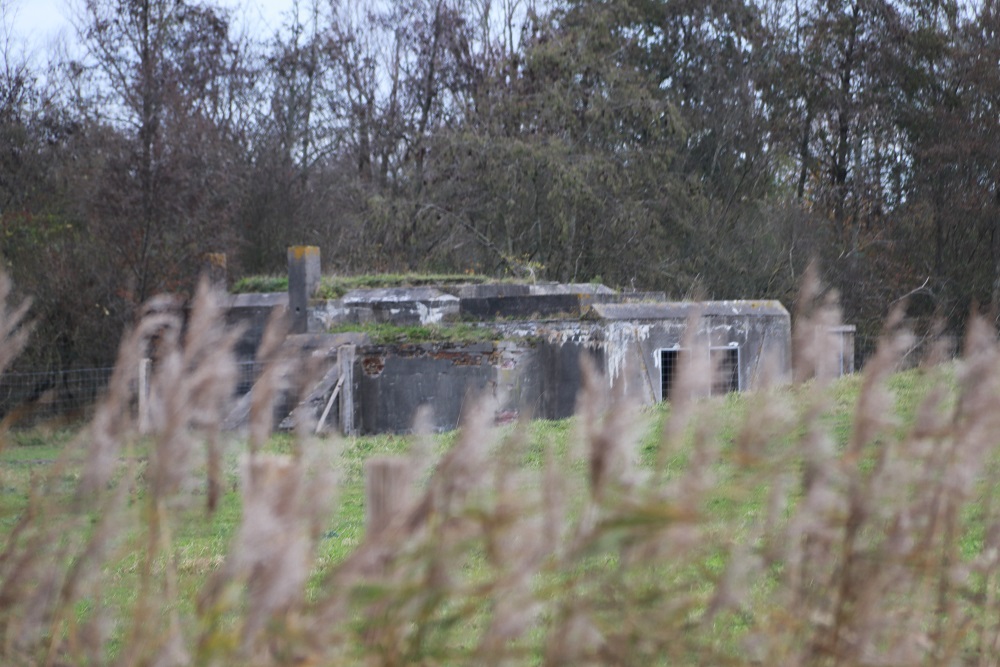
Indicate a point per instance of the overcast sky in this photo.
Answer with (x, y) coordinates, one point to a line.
(38, 22)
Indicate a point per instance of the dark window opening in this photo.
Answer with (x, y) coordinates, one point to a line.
(726, 370)
(669, 361)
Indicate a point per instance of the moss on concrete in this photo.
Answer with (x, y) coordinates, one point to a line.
(388, 334)
(260, 284)
(334, 287)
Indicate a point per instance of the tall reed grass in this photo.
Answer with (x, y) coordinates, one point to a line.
(778, 545)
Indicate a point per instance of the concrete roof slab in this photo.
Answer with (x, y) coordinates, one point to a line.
(258, 300)
(674, 310)
(492, 290)
(398, 295)
(569, 288)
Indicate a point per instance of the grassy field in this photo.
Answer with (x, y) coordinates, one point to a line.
(847, 523)
(201, 541)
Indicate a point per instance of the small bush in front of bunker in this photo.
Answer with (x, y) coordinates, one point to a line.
(753, 537)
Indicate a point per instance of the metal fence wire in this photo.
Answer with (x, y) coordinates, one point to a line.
(30, 398)
(247, 373)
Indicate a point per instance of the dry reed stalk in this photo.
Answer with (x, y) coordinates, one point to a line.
(792, 545)
(286, 501)
(273, 355)
(14, 333)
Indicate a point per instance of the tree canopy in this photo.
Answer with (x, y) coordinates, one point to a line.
(695, 147)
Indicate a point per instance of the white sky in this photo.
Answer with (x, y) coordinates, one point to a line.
(37, 23)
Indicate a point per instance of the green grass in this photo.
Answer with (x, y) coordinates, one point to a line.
(40, 443)
(381, 333)
(334, 287)
(260, 284)
(736, 501)
(32, 451)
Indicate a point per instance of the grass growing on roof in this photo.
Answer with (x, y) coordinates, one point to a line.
(260, 284)
(334, 287)
(383, 333)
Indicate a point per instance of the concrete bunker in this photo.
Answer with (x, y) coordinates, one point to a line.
(449, 344)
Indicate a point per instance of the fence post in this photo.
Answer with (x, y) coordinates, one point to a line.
(145, 366)
(345, 358)
(386, 484)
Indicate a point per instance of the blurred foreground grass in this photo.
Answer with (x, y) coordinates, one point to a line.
(853, 522)
(201, 540)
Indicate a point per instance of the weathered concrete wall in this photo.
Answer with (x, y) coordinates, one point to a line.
(624, 341)
(535, 379)
(554, 301)
(430, 305)
(523, 307)
(404, 306)
(761, 330)
(571, 288)
(392, 382)
(560, 375)
(533, 366)
(252, 312)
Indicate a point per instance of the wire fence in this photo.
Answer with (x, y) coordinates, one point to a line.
(247, 374)
(30, 398)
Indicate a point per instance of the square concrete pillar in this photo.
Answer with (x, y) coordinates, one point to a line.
(303, 281)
